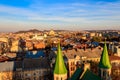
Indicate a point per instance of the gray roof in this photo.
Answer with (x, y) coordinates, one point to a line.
(70, 54)
(40, 63)
(35, 63)
(6, 66)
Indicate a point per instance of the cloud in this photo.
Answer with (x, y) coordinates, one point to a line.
(69, 14)
(16, 11)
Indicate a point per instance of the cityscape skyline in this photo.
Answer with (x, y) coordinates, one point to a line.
(69, 15)
(60, 55)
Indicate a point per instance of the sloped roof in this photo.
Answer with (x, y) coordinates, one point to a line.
(34, 54)
(95, 53)
(76, 74)
(87, 75)
(114, 58)
(60, 65)
(35, 63)
(90, 76)
(26, 64)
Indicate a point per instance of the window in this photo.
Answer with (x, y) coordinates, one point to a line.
(26, 74)
(73, 63)
(34, 78)
(34, 74)
(99, 72)
(77, 63)
(56, 78)
(104, 73)
(71, 68)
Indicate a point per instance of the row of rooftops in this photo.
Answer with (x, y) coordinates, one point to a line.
(88, 53)
(81, 74)
(26, 64)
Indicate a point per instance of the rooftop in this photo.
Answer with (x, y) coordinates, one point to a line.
(70, 54)
(87, 75)
(112, 58)
(29, 63)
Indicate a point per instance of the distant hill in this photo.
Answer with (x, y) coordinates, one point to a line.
(35, 31)
(56, 30)
(101, 30)
(32, 30)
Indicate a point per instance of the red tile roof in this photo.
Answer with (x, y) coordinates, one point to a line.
(3, 58)
(112, 58)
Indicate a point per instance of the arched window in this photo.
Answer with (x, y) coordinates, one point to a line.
(56, 78)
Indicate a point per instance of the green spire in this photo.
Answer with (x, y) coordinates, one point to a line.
(104, 61)
(59, 65)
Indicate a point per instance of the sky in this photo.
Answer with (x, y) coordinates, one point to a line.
(77, 15)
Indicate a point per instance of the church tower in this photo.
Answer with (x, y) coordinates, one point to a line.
(104, 65)
(60, 71)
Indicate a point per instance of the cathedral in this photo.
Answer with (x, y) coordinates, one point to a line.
(83, 73)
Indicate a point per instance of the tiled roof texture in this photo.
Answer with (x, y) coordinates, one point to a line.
(80, 52)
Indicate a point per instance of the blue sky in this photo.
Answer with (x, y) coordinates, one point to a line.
(59, 14)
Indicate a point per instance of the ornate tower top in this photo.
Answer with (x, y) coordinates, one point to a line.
(60, 65)
(104, 61)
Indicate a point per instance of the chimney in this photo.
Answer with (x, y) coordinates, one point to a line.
(86, 66)
(99, 48)
(66, 50)
(76, 49)
(84, 48)
(91, 48)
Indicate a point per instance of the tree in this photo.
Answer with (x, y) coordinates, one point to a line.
(97, 39)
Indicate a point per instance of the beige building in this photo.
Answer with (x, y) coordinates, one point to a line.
(4, 39)
(77, 57)
(38, 37)
(115, 49)
(28, 69)
(52, 33)
(14, 47)
(115, 62)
